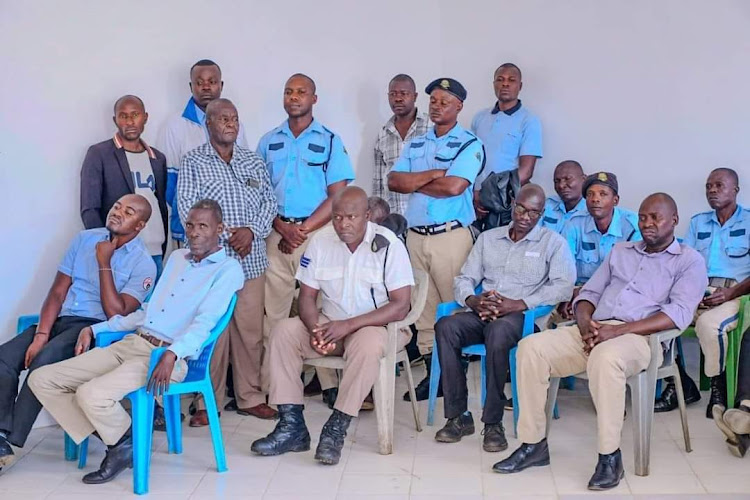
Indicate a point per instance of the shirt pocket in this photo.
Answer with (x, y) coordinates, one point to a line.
(588, 259)
(315, 155)
(511, 144)
(533, 267)
(417, 159)
(277, 154)
(738, 247)
(373, 279)
(331, 281)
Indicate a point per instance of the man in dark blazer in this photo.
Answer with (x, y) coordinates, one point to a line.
(124, 165)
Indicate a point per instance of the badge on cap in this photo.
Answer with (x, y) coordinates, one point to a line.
(445, 84)
(602, 177)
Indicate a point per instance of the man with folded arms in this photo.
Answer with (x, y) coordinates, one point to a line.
(84, 393)
(641, 288)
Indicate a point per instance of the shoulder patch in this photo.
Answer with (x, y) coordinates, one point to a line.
(147, 284)
(304, 261)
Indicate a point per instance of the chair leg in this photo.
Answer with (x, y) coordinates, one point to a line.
(384, 405)
(642, 396)
(83, 451)
(174, 425)
(683, 411)
(213, 422)
(412, 394)
(483, 362)
(71, 449)
(143, 427)
(514, 389)
(551, 406)
(434, 381)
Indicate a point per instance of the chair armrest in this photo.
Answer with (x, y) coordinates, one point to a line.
(105, 339)
(531, 315)
(26, 321)
(655, 341)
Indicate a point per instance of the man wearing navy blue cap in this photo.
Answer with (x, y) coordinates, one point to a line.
(437, 170)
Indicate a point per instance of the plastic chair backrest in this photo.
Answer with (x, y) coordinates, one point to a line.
(198, 368)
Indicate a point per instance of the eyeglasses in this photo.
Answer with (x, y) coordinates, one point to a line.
(521, 211)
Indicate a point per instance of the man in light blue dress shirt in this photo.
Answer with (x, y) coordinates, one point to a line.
(83, 393)
(569, 202)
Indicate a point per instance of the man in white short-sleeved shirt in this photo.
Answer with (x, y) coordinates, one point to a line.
(365, 277)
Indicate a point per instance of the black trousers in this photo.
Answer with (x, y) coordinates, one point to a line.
(18, 410)
(743, 374)
(499, 337)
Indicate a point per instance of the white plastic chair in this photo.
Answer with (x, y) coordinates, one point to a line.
(385, 386)
(642, 395)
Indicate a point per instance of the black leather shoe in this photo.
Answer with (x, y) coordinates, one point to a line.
(527, 455)
(668, 399)
(231, 405)
(456, 428)
(494, 438)
(313, 387)
(6, 452)
(290, 433)
(117, 459)
(718, 394)
(332, 438)
(608, 473)
(329, 396)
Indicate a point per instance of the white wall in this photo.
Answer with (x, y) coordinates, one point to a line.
(654, 91)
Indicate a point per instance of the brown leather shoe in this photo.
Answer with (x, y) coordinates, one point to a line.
(199, 418)
(262, 411)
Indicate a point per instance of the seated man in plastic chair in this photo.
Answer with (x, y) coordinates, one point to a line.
(640, 288)
(364, 274)
(735, 423)
(722, 236)
(105, 271)
(84, 393)
(520, 266)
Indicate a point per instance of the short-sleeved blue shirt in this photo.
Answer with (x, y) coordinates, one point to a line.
(726, 249)
(555, 216)
(506, 136)
(590, 247)
(302, 168)
(133, 269)
(461, 154)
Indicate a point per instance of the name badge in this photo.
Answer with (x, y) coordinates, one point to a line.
(532, 254)
(252, 183)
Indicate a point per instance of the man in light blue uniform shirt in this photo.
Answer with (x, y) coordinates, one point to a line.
(569, 202)
(437, 170)
(84, 393)
(511, 134)
(722, 237)
(308, 164)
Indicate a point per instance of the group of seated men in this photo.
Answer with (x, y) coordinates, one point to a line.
(255, 223)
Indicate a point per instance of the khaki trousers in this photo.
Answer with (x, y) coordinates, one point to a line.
(441, 256)
(83, 393)
(242, 342)
(559, 353)
(362, 350)
(280, 287)
(711, 328)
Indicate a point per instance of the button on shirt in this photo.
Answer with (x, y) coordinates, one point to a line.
(133, 270)
(242, 189)
(506, 136)
(461, 154)
(187, 303)
(632, 284)
(590, 247)
(302, 168)
(354, 283)
(537, 269)
(726, 249)
(180, 135)
(555, 215)
(388, 148)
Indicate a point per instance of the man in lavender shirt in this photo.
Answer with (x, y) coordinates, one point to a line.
(640, 288)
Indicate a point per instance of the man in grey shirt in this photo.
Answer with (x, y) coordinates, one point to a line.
(520, 266)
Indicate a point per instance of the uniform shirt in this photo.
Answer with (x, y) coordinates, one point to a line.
(726, 249)
(632, 284)
(188, 301)
(354, 283)
(428, 152)
(590, 247)
(537, 269)
(555, 216)
(302, 168)
(180, 135)
(388, 148)
(506, 136)
(243, 191)
(133, 271)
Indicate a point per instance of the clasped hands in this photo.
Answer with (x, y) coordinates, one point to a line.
(594, 333)
(491, 305)
(324, 336)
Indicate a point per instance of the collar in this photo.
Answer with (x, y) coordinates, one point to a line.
(509, 112)
(674, 248)
(615, 228)
(534, 235)
(193, 113)
(118, 145)
(736, 216)
(128, 247)
(560, 205)
(218, 256)
(420, 118)
(314, 126)
(212, 151)
(454, 132)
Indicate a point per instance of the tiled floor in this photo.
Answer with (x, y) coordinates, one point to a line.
(420, 468)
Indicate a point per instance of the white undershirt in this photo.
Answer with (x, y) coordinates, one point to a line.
(145, 185)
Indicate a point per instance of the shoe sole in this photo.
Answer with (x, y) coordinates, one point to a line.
(296, 449)
(247, 414)
(718, 417)
(466, 432)
(326, 461)
(738, 421)
(109, 479)
(540, 463)
(495, 449)
(604, 488)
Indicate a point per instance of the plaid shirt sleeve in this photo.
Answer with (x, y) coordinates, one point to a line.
(261, 221)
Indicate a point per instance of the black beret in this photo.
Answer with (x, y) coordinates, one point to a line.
(604, 178)
(449, 85)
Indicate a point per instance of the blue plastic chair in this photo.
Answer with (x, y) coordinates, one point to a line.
(448, 308)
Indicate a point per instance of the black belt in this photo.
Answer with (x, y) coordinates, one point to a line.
(292, 220)
(437, 228)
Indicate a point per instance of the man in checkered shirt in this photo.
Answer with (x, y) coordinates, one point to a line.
(238, 180)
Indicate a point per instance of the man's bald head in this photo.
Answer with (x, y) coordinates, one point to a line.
(569, 166)
(141, 203)
(129, 215)
(217, 105)
(349, 214)
(301, 76)
(661, 198)
(657, 219)
(129, 99)
(351, 194)
(532, 194)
